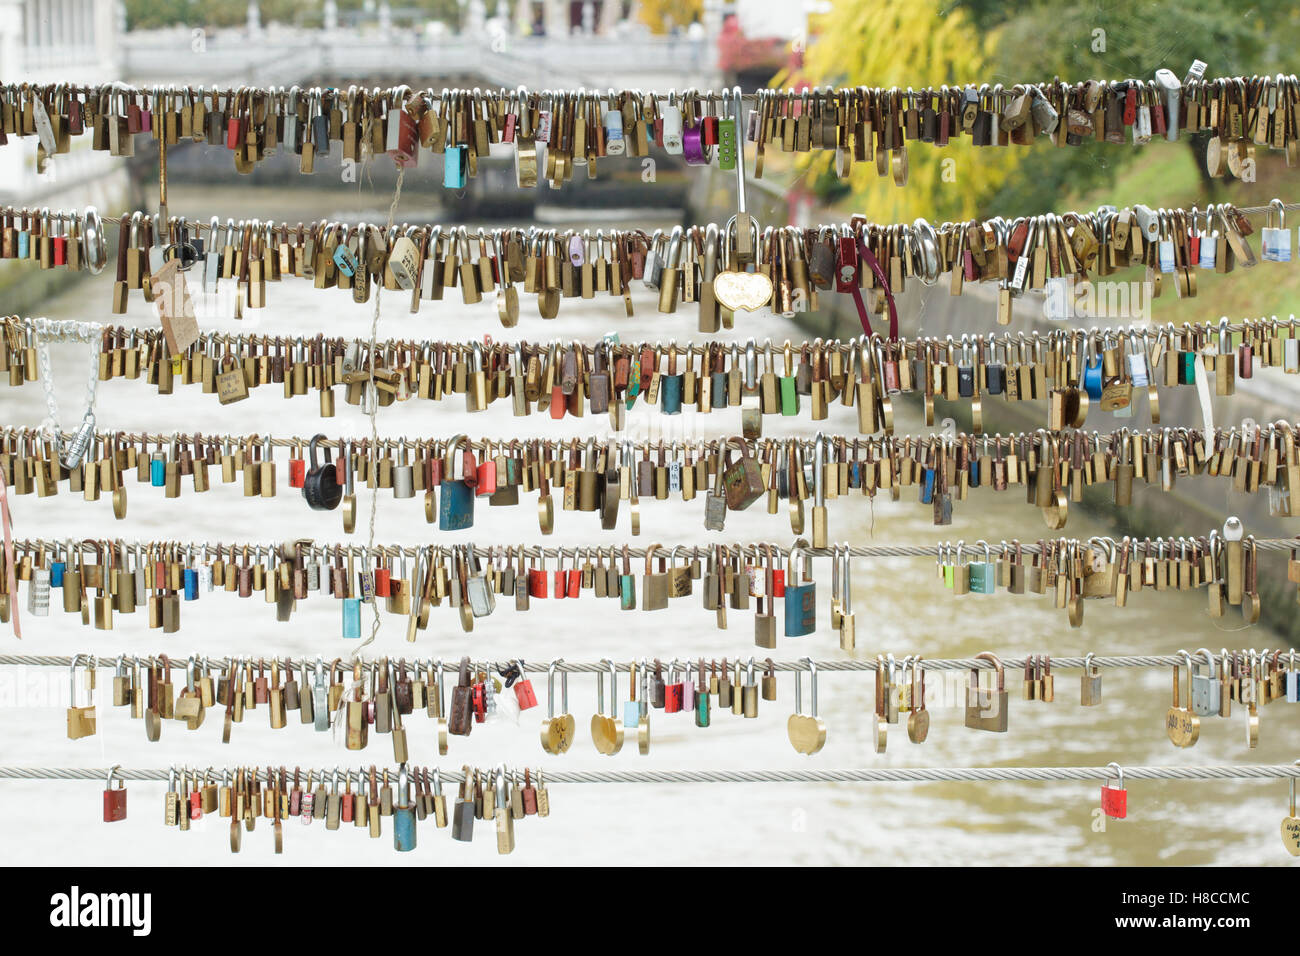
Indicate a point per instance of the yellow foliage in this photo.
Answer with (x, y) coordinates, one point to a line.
(886, 43)
(662, 15)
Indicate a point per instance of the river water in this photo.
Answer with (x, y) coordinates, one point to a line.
(900, 604)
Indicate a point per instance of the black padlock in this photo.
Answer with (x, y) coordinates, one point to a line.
(995, 377)
(321, 485)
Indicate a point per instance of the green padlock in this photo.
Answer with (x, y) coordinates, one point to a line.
(789, 392)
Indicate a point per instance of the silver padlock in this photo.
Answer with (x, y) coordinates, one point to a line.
(1205, 687)
(403, 474)
(654, 262)
(482, 601)
(320, 698)
(38, 593)
(715, 504)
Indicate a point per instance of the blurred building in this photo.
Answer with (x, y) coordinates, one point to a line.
(56, 41)
(48, 41)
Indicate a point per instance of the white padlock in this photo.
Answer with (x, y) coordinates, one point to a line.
(671, 117)
(1276, 239)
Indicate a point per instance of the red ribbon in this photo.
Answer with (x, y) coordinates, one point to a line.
(9, 556)
(865, 254)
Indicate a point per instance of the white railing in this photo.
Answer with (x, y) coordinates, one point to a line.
(230, 57)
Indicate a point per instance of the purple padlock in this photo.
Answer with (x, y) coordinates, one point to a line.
(694, 150)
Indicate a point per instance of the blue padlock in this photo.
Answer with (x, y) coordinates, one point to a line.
(1092, 377)
(670, 393)
(345, 260)
(404, 815)
(191, 578)
(927, 486)
(56, 573)
(157, 470)
(455, 160)
(800, 595)
(456, 498)
(351, 617)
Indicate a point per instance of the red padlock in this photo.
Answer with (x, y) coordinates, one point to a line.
(523, 688)
(674, 692)
(709, 130)
(383, 577)
(406, 152)
(485, 479)
(297, 467)
(846, 266)
(508, 127)
(1130, 105)
(469, 467)
(114, 798)
(1114, 800)
(537, 586)
(196, 804)
(480, 703)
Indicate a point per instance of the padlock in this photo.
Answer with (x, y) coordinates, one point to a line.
(1114, 800)
(456, 504)
(455, 159)
(403, 474)
(523, 687)
(674, 691)
(114, 797)
(478, 589)
(715, 503)
(1276, 239)
(800, 595)
(81, 720)
(654, 586)
(986, 708)
(983, 574)
(742, 479)
(557, 732)
(807, 732)
(320, 486)
(1205, 687)
(503, 818)
(403, 814)
(749, 692)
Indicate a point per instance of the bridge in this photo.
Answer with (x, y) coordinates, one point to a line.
(342, 57)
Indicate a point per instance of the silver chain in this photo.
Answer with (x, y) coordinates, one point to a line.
(78, 331)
